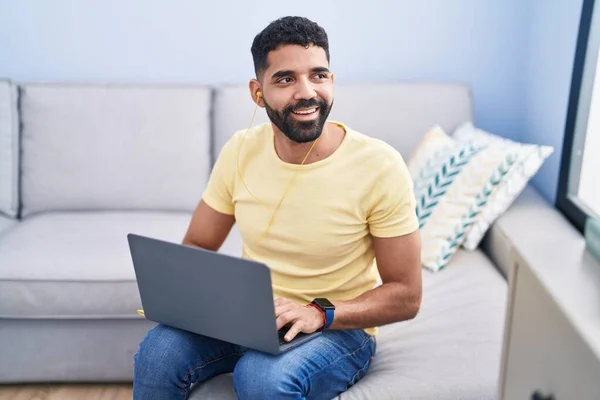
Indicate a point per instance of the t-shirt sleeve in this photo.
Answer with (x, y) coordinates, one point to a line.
(218, 193)
(392, 210)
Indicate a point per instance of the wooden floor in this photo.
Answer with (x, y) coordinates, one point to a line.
(66, 392)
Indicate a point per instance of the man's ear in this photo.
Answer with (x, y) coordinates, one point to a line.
(256, 92)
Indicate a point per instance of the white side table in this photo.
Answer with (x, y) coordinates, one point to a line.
(552, 334)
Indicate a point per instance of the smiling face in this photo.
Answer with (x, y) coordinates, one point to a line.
(297, 91)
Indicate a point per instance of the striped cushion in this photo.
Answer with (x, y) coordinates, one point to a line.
(528, 158)
(453, 182)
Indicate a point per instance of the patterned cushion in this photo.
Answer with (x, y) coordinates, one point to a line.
(528, 158)
(440, 161)
(454, 181)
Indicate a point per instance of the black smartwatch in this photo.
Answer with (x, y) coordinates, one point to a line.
(328, 308)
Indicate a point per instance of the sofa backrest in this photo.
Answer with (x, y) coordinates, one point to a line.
(399, 113)
(114, 147)
(151, 147)
(9, 150)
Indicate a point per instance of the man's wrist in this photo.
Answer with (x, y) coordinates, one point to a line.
(320, 315)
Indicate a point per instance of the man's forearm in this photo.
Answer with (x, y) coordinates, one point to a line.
(388, 303)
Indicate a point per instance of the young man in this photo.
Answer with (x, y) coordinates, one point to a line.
(317, 202)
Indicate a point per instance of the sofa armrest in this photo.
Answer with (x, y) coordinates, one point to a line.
(530, 224)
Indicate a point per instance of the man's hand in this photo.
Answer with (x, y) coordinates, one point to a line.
(302, 318)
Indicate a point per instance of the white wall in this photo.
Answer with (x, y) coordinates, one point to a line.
(480, 42)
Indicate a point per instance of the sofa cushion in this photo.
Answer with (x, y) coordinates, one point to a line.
(454, 181)
(111, 147)
(6, 223)
(76, 265)
(451, 350)
(399, 113)
(528, 158)
(447, 187)
(48, 260)
(9, 149)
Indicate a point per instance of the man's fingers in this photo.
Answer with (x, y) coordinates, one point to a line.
(281, 301)
(294, 330)
(283, 308)
(285, 318)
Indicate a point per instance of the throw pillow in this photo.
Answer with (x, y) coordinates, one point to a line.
(434, 141)
(448, 190)
(528, 158)
(454, 181)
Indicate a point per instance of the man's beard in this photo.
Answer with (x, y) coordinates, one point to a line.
(300, 131)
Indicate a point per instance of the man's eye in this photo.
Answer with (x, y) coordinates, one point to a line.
(285, 80)
(321, 76)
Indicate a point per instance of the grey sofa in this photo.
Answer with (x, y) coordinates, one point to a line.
(83, 165)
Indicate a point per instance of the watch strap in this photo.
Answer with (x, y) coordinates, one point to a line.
(329, 317)
(328, 313)
(322, 314)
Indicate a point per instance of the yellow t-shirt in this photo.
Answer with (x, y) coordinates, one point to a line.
(319, 244)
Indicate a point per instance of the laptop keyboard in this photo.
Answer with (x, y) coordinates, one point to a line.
(282, 333)
(281, 339)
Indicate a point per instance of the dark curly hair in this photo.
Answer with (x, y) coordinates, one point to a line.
(286, 30)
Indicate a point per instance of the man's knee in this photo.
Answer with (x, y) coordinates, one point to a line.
(261, 376)
(160, 353)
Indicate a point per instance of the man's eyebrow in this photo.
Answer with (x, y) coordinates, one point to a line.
(281, 74)
(319, 69)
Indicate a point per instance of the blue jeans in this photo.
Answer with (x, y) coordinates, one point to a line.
(170, 360)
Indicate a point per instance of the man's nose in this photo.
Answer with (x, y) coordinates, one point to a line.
(305, 90)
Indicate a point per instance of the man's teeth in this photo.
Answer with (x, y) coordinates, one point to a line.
(312, 110)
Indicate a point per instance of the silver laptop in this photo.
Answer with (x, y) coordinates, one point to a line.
(208, 293)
